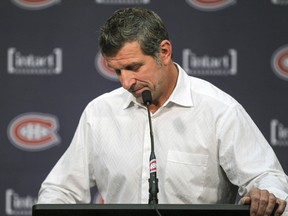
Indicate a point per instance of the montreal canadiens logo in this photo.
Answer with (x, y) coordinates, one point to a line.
(153, 167)
(35, 4)
(103, 69)
(210, 5)
(34, 131)
(279, 62)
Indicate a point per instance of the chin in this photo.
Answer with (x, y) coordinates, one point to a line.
(138, 98)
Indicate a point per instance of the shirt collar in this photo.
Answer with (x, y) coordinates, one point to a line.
(130, 100)
(181, 95)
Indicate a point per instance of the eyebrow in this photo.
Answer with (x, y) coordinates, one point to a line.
(127, 67)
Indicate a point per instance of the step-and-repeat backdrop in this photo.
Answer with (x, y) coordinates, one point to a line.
(50, 68)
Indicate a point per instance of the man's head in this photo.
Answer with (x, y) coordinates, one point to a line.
(129, 25)
(135, 44)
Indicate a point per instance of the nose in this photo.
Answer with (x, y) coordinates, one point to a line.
(127, 79)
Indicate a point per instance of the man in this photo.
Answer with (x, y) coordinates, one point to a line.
(207, 146)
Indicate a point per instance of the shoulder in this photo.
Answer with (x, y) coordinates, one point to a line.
(204, 91)
(113, 100)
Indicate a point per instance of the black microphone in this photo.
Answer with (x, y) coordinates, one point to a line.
(153, 181)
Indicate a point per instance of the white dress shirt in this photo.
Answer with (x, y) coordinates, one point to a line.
(206, 145)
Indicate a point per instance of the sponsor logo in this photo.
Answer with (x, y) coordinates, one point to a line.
(122, 2)
(35, 4)
(34, 131)
(31, 64)
(210, 5)
(279, 2)
(103, 69)
(279, 133)
(279, 62)
(18, 205)
(210, 65)
(153, 166)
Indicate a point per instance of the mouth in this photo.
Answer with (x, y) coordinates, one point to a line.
(138, 92)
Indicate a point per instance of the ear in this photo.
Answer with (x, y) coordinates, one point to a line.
(165, 51)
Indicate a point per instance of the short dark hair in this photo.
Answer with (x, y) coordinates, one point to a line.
(132, 24)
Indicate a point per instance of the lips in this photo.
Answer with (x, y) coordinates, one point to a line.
(137, 92)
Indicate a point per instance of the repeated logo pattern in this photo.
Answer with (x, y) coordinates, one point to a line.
(279, 62)
(34, 131)
(35, 4)
(210, 5)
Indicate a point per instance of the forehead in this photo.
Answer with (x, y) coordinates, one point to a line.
(130, 53)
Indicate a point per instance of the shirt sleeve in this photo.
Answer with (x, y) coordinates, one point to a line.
(71, 178)
(247, 157)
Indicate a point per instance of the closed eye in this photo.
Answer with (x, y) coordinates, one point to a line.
(134, 67)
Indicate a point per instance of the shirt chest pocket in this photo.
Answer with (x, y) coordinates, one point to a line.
(185, 176)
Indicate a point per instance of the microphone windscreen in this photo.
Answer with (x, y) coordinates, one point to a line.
(147, 97)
